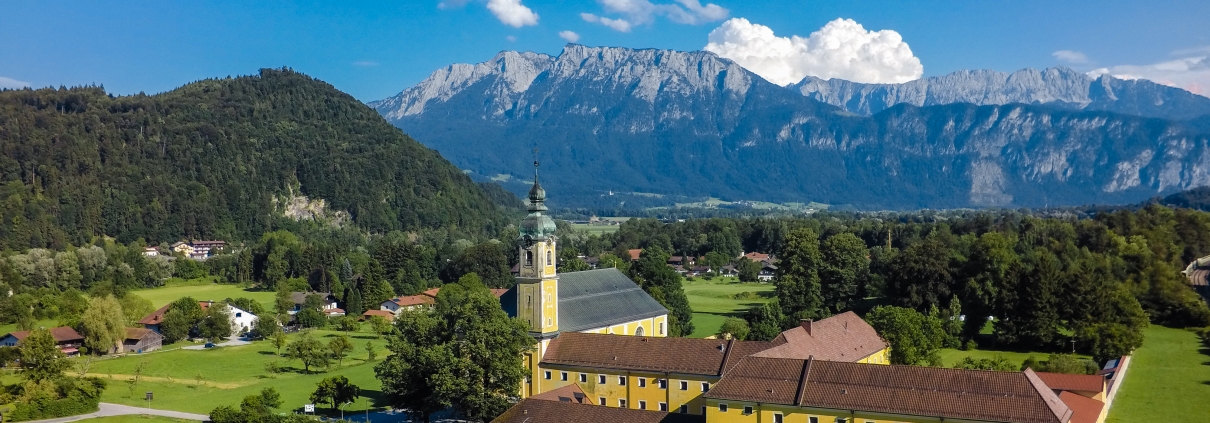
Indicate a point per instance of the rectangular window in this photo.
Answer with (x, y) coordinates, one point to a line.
(601, 379)
(684, 385)
(642, 405)
(703, 410)
(601, 400)
(812, 419)
(842, 420)
(547, 374)
(747, 410)
(684, 409)
(563, 376)
(663, 406)
(722, 408)
(777, 418)
(705, 386)
(621, 380)
(661, 328)
(663, 383)
(642, 382)
(622, 402)
(583, 377)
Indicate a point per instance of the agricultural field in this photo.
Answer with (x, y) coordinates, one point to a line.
(202, 290)
(197, 381)
(1169, 380)
(595, 229)
(715, 300)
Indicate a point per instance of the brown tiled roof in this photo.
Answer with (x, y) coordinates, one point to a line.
(411, 300)
(640, 353)
(635, 253)
(757, 257)
(498, 292)
(533, 410)
(380, 313)
(843, 337)
(61, 334)
(1016, 397)
(137, 333)
(156, 316)
(1066, 382)
(432, 292)
(1083, 409)
(569, 393)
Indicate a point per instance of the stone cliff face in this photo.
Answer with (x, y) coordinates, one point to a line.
(1056, 87)
(691, 123)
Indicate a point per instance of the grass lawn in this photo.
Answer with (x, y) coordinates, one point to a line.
(596, 229)
(137, 419)
(205, 290)
(951, 357)
(713, 301)
(229, 374)
(1169, 380)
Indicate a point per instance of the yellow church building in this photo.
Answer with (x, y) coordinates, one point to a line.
(602, 301)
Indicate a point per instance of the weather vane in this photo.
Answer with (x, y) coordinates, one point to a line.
(535, 164)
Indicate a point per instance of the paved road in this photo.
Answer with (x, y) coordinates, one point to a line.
(108, 409)
(229, 343)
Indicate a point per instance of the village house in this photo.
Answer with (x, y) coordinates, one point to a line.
(241, 320)
(327, 301)
(423, 301)
(151, 251)
(66, 338)
(387, 315)
(141, 340)
(198, 250)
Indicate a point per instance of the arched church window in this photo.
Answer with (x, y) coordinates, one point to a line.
(639, 331)
(529, 258)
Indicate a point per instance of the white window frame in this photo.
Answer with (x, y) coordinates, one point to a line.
(547, 374)
(642, 405)
(622, 402)
(748, 410)
(583, 377)
(601, 379)
(602, 400)
(663, 406)
(621, 380)
(642, 382)
(684, 385)
(563, 376)
(705, 386)
(722, 407)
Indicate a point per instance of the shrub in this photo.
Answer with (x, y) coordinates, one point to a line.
(76, 396)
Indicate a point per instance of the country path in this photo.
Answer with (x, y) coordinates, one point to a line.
(108, 409)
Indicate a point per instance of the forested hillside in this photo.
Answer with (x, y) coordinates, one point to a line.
(217, 158)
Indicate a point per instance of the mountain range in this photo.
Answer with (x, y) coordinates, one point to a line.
(677, 124)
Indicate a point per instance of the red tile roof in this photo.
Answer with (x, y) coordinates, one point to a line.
(843, 337)
(532, 410)
(498, 292)
(1083, 409)
(156, 316)
(432, 292)
(1066, 382)
(757, 257)
(569, 393)
(635, 253)
(1015, 397)
(380, 313)
(61, 334)
(411, 300)
(640, 353)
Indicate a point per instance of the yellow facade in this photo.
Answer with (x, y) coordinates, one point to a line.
(751, 412)
(880, 357)
(633, 390)
(538, 287)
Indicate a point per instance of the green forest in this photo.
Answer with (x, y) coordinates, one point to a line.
(216, 159)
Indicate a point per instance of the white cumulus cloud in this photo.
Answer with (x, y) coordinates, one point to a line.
(841, 49)
(1189, 73)
(641, 12)
(570, 36)
(620, 25)
(1069, 56)
(12, 83)
(512, 13)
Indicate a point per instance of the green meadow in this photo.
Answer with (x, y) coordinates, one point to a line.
(1168, 380)
(713, 301)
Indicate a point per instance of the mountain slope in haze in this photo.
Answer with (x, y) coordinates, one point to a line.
(1056, 87)
(216, 158)
(691, 123)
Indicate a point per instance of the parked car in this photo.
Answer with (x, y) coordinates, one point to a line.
(209, 345)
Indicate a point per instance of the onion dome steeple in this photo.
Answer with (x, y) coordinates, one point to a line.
(537, 225)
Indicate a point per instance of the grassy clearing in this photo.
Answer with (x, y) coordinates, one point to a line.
(714, 300)
(137, 419)
(951, 357)
(203, 291)
(1169, 380)
(596, 229)
(229, 374)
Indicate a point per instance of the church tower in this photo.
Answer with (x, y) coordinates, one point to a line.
(538, 282)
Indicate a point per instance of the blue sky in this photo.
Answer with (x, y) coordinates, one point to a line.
(373, 49)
